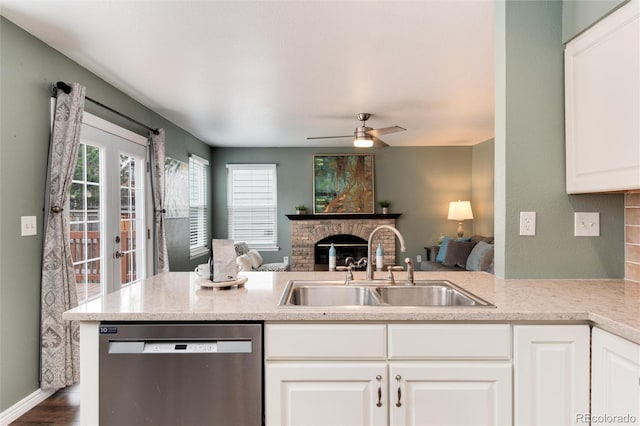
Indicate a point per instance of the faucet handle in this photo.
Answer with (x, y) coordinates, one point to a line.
(349, 276)
(390, 274)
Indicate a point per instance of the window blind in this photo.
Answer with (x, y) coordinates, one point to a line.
(252, 205)
(198, 205)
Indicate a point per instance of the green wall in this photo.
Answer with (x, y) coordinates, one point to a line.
(530, 157)
(482, 187)
(578, 15)
(420, 182)
(28, 69)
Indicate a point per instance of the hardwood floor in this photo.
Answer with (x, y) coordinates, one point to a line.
(61, 408)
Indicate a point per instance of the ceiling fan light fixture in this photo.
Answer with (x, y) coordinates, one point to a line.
(361, 138)
(363, 141)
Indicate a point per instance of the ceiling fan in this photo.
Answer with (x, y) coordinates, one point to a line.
(366, 137)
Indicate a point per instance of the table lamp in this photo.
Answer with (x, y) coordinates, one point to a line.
(460, 210)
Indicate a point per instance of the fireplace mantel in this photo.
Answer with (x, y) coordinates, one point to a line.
(343, 216)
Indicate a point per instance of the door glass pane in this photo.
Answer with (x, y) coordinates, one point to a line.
(131, 225)
(93, 164)
(85, 223)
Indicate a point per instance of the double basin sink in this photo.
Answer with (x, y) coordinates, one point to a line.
(375, 293)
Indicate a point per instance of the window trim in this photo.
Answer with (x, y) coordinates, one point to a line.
(199, 250)
(269, 246)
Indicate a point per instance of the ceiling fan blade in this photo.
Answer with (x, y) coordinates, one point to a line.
(385, 130)
(330, 137)
(379, 143)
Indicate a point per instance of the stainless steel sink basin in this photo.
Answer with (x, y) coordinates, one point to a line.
(373, 293)
(331, 295)
(427, 295)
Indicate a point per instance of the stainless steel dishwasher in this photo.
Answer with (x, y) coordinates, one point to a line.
(181, 374)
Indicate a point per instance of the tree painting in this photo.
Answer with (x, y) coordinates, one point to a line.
(343, 183)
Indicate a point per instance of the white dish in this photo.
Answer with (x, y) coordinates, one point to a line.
(210, 284)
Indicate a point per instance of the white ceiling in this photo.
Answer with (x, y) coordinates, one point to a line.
(271, 73)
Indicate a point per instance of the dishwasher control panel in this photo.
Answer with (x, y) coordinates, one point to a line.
(170, 347)
(179, 346)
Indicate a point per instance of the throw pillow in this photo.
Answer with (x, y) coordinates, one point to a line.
(241, 248)
(442, 252)
(458, 252)
(244, 263)
(480, 257)
(256, 259)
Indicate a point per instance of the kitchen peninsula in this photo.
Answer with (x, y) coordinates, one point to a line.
(523, 307)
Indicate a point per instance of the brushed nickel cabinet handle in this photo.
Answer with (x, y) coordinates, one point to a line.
(379, 379)
(399, 403)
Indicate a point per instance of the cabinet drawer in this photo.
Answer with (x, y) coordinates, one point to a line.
(325, 341)
(455, 341)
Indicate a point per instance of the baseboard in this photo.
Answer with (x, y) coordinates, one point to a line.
(24, 405)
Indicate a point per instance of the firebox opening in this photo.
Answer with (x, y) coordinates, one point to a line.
(346, 246)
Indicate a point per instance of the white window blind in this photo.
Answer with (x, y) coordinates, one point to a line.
(252, 205)
(198, 205)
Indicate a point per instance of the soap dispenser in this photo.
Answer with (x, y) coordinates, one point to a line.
(379, 258)
(332, 258)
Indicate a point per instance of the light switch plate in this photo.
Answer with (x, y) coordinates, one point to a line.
(587, 224)
(28, 226)
(528, 224)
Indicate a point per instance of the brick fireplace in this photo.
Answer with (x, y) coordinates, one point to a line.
(307, 230)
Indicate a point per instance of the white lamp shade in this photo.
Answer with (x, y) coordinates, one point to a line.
(460, 210)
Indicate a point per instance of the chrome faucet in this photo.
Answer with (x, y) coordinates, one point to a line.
(403, 248)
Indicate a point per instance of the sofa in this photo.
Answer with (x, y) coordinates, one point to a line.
(460, 254)
(251, 260)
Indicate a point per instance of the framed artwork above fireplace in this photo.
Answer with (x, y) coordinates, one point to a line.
(343, 183)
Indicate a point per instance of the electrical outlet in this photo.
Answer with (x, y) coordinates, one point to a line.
(28, 226)
(418, 259)
(286, 259)
(586, 224)
(528, 223)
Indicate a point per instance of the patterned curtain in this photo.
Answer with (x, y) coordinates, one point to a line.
(161, 255)
(60, 351)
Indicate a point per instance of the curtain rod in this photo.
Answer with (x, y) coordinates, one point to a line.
(67, 89)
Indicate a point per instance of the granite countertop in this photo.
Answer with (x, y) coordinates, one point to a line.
(613, 305)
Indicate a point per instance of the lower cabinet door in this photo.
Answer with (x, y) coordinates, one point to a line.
(551, 374)
(450, 394)
(336, 393)
(615, 387)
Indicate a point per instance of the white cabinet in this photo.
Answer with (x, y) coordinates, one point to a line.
(326, 393)
(551, 374)
(312, 377)
(439, 394)
(372, 374)
(602, 104)
(615, 384)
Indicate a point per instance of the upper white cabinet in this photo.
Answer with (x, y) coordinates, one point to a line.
(602, 104)
(615, 383)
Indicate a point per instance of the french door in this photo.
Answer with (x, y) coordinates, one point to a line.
(109, 209)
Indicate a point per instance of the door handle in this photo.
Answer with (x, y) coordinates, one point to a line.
(118, 254)
(399, 403)
(379, 379)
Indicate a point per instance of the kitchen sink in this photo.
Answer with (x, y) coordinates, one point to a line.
(332, 295)
(376, 293)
